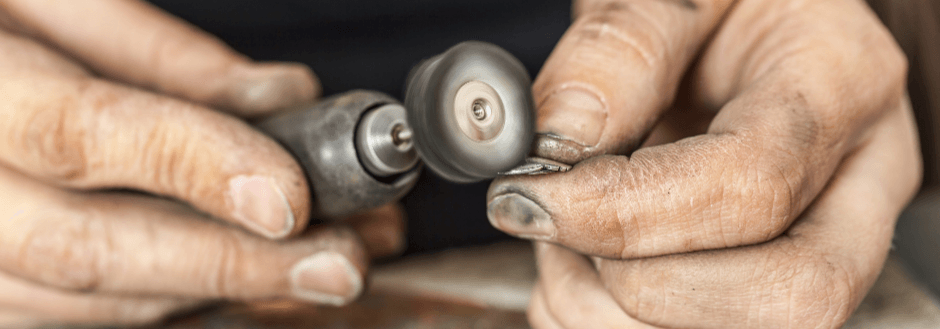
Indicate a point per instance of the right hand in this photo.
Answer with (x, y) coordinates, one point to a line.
(781, 150)
(118, 96)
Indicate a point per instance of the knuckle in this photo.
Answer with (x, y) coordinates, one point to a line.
(897, 74)
(172, 166)
(764, 209)
(778, 202)
(638, 288)
(224, 265)
(66, 249)
(53, 141)
(897, 64)
(823, 293)
(626, 31)
(886, 50)
(784, 162)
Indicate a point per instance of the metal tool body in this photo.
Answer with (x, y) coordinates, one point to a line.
(468, 115)
(322, 137)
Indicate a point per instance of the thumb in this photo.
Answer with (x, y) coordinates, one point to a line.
(613, 73)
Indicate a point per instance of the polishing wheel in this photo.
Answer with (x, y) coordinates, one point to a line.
(470, 110)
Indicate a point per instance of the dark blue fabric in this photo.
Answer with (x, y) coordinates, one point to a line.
(372, 44)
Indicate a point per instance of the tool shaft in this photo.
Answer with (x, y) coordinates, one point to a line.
(322, 137)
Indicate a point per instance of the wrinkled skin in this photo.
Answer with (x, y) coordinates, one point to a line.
(774, 149)
(102, 100)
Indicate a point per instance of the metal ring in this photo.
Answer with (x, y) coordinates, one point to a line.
(379, 144)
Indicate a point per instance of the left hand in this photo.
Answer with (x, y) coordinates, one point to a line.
(130, 186)
(765, 196)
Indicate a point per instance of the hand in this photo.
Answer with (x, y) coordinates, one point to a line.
(781, 150)
(116, 95)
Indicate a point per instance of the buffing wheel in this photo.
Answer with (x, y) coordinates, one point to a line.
(471, 111)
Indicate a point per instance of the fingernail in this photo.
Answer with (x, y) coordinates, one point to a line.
(520, 216)
(327, 278)
(261, 205)
(574, 114)
(262, 88)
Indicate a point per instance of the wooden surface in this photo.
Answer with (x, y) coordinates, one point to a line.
(374, 311)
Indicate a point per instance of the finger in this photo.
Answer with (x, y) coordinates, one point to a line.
(37, 306)
(767, 155)
(614, 71)
(574, 293)
(18, 319)
(382, 230)
(137, 43)
(538, 314)
(813, 276)
(87, 133)
(136, 245)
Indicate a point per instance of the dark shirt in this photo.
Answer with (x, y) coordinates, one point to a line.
(372, 44)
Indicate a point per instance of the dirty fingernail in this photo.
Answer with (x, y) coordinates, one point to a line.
(263, 88)
(573, 114)
(327, 278)
(260, 205)
(520, 216)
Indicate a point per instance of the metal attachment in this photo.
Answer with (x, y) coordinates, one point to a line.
(383, 141)
(537, 166)
(480, 109)
(472, 112)
(401, 136)
(336, 139)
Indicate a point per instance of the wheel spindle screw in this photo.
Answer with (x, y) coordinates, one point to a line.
(480, 109)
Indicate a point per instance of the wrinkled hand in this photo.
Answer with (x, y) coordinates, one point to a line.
(779, 150)
(116, 95)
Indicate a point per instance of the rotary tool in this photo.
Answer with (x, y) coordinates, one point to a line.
(467, 116)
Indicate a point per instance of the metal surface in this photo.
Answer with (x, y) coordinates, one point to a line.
(479, 111)
(322, 137)
(383, 141)
(471, 111)
(537, 166)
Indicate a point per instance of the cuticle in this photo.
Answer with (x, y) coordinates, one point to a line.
(521, 192)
